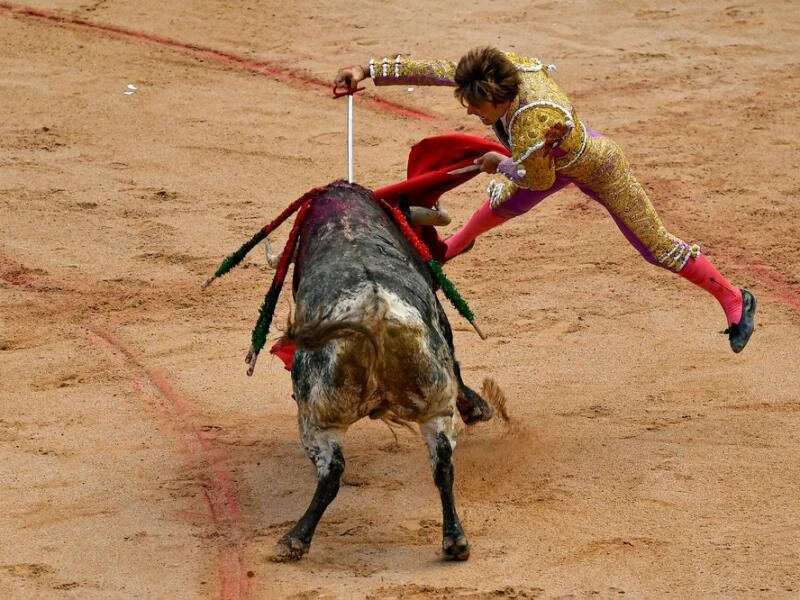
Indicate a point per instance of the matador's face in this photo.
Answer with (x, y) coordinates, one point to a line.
(488, 112)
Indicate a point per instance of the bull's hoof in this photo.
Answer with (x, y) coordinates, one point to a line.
(289, 549)
(473, 408)
(455, 549)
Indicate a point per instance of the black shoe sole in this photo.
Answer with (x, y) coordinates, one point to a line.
(739, 333)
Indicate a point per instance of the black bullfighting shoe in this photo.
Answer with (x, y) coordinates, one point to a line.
(739, 333)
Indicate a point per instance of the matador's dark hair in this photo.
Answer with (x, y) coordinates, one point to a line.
(485, 75)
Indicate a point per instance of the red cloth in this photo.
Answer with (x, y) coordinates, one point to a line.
(428, 164)
(427, 179)
(285, 351)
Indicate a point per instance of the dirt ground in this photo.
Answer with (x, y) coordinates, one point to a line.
(643, 458)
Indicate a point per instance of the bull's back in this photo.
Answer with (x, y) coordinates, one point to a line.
(346, 240)
(353, 264)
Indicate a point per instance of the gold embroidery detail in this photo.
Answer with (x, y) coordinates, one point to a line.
(604, 170)
(408, 70)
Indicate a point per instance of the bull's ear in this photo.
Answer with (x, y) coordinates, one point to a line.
(404, 206)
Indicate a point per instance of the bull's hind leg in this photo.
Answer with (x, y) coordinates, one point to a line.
(439, 433)
(471, 405)
(324, 448)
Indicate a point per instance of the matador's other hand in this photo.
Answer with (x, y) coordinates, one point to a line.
(489, 161)
(350, 77)
(556, 134)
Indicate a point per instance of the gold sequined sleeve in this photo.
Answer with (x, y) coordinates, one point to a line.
(403, 70)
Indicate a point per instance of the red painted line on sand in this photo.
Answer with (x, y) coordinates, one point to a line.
(217, 490)
(769, 277)
(266, 68)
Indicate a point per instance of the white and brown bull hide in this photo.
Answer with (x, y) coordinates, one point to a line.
(372, 341)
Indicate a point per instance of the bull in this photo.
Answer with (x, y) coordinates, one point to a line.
(372, 341)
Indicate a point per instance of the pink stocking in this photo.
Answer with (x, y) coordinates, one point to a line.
(481, 221)
(701, 272)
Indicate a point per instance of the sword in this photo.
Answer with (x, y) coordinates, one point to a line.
(350, 138)
(349, 93)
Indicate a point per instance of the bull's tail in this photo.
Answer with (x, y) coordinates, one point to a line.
(315, 331)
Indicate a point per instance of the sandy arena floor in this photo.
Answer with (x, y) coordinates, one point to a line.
(643, 458)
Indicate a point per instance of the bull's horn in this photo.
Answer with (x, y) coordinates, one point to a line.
(428, 216)
(272, 258)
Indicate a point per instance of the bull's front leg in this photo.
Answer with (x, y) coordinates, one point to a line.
(324, 449)
(439, 433)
